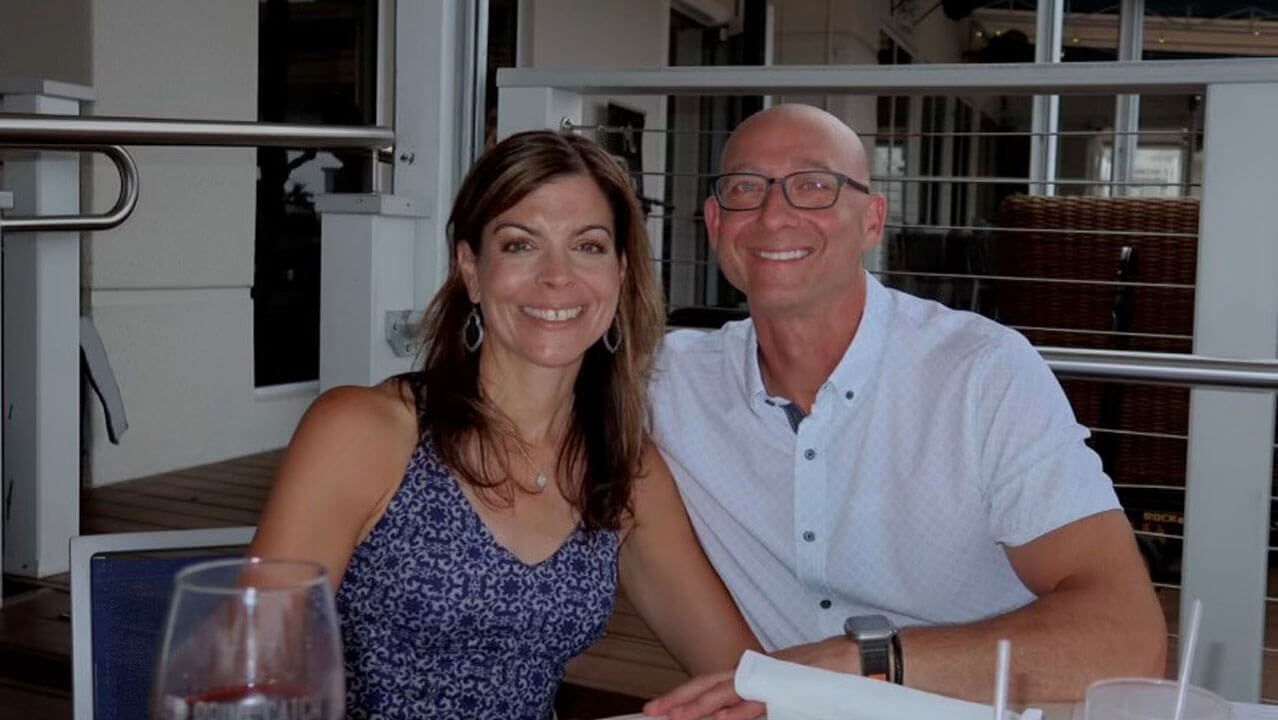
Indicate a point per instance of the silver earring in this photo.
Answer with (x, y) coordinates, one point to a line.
(473, 330)
(612, 338)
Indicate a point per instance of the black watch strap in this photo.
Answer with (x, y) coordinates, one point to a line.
(875, 656)
(898, 660)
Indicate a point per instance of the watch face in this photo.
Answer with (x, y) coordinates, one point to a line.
(868, 627)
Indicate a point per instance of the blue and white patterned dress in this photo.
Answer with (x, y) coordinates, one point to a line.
(440, 621)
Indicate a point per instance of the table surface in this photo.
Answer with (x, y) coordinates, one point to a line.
(1051, 711)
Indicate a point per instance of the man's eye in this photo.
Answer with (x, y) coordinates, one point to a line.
(746, 188)
(814, 184)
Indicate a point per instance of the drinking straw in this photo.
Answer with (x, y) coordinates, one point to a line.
(1000, 678)
(1187, 657)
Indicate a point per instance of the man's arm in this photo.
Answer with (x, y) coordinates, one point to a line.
(1095, 616)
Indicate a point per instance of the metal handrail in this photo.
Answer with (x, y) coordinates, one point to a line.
(46, 130)
(130, 184)
(106, 135)
(1183, 76)
(1162, 368)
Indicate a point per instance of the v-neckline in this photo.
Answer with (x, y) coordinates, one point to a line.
(455, 483)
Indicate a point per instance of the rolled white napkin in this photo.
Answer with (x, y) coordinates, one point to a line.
(798, 692)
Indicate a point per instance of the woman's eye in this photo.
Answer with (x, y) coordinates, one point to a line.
(514, 246)
(594, 247)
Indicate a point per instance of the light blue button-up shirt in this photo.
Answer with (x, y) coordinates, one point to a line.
(940, 438)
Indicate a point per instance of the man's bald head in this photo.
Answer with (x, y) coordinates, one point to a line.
(822, 135)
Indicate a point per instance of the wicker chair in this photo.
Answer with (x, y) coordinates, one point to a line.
(1167, 255)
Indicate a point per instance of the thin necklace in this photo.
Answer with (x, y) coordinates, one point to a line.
(541, 480)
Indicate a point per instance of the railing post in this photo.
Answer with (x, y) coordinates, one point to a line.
(1046, 120)
(1231, 433)
(366, 271)
(520, 109)
(1127, 107)
(41, 346)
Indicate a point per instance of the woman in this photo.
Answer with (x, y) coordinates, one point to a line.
(475, 516)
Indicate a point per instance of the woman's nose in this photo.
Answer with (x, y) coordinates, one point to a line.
(555, 268)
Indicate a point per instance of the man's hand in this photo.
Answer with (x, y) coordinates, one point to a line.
(706, 696)
(714, 696)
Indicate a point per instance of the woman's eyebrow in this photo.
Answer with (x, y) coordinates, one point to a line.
(587, 228)
(516, 226)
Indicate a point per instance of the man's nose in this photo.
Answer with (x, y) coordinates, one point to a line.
(776, 209)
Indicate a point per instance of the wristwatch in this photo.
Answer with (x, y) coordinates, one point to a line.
(875, 636)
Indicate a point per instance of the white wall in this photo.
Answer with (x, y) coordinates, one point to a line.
(45, 39)
(835, 32)
(605, 35)
(169, 289)
(830, 32)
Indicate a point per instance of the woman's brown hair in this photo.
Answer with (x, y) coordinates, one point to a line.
(605, 438)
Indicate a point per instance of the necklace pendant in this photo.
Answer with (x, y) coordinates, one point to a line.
(542, 481)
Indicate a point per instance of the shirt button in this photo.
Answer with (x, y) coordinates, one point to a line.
(848, 394)
(825, 604)
(809, 454)
(809, 536)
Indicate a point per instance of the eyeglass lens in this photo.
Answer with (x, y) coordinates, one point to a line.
(804, 190)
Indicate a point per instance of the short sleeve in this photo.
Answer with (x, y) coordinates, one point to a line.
(1037, 472)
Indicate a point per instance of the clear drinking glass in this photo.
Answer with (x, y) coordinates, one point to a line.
(250, 638)
(1151, 699)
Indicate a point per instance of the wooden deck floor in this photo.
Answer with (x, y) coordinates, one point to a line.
(223, 494)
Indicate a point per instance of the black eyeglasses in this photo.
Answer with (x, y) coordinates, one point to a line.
(805, 190)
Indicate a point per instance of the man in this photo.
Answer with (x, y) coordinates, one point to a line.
(856, 460)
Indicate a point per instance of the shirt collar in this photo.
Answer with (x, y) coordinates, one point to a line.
(860, 362)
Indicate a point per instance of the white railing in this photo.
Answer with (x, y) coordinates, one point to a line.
(1235, 329)
(41, 370)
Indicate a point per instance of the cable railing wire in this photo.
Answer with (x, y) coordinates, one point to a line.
(626, 130)
(1035, 279)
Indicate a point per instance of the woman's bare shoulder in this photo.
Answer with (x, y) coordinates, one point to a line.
(381, 411)
(370, 427)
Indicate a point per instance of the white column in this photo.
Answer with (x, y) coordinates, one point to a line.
(1231, 433)
(41, 346)
(366, 247)
(1127, 107)
(388, 253)
(432, 115)
(1046, 112)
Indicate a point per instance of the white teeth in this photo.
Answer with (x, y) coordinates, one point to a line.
(553, 315)
(783, 254)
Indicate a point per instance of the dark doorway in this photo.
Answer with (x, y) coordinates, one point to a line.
(317, 65)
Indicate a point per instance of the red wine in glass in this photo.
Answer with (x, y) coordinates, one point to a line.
(251, 639)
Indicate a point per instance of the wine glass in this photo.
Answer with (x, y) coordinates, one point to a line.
(250, 638)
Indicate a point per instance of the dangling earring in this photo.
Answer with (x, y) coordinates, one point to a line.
(612, 338)
(473, 330)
